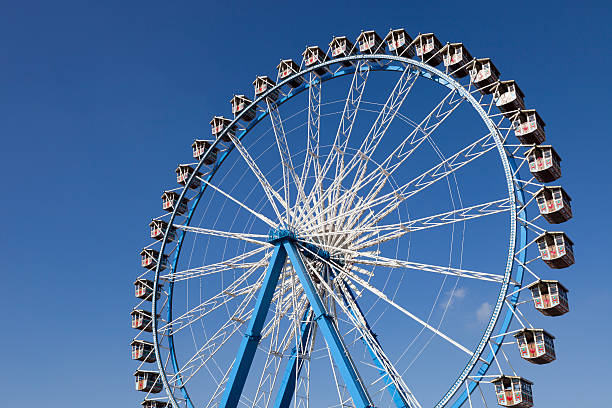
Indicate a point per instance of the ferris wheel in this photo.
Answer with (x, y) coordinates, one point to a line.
(358, 235)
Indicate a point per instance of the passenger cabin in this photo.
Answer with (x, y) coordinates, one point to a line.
(170, 201)
(240, 104)
(556, 249)
(150, 257)
(370, 42)
(456, 57)
(483, 74)
(148, 381)
(513, 391)
(342, 47)
(155, 404)
(141, 320)
(217, 125)
(508, 97)
(536, 346)
(143, 351)
(529, 127)
(544, 163)
(554, 204)
(263, 84)
(287, 68)
(200, 147)
(184, 172)
(427, 47)
(398, 41)
(158, 229)
(313, 56)
(143, 289)
(549, 297)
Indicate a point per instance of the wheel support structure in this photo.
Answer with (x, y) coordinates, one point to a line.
(286, 247)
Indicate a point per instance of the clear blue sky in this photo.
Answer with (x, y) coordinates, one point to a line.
(99, 100)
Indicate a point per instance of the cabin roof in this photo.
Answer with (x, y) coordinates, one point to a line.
(153, 222)
(565, 237)
(555, 187)
(220, 118)
(148, 250)
(541, 147)
(137, 372)
(239, 97)
(491, 64)
(142, 280)
(396, 31)
(369, 32)
(201, 141)
(524, 330)
(547, 281)
(140, 311)
(428, 35)
(187, 166)
(138, 341)
(512, 377)
(512, 82)
(538, 117)
(313, 48)
(340, 38)
(291, 63)
(263, 78)
(170, 193)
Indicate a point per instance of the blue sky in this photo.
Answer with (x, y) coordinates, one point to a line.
(98, 101)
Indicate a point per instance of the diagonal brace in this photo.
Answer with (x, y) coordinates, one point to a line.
(246, 352)
(324, 321)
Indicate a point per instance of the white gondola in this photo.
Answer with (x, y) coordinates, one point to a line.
(483, 74)
(158, 229)
(370, 43)
(536, 346)
(149, 259)
(427, 47)
(184, 172)
(508, 97)
(263, 84)
(142, 320)
(155, 404)
(217, 125)
(398, 42)
(457, 58)
(200, 147)
(241, 103)
(549, 297)
(143, 289)
(148, 381)
(287, 68)
(529, 127)
(544, 163)
(341, 47)
(554, 204)
(513, 391)
(170, 201)
(314, 56)
(143, 351)
(556, 249)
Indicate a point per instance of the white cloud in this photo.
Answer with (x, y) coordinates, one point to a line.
(454, 297)
(484, 312)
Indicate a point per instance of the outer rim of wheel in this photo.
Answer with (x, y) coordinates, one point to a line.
(428, 72)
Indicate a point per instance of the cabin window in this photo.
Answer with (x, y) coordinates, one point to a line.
(532, 117)
(552, 289)
(498, 388)
(516, 386)
(486, 66)
(510, 88)
(522, 341)
(430, 41)
(458, 52)
(559, 241)
(535, 292)
(557, 194)
(547, 154)
(539, 338)
(541, 200)
(516, 124)
(542, 245)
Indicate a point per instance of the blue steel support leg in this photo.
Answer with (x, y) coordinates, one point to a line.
(351, 378)
(294, 366)
(395, 394)
(244, 358)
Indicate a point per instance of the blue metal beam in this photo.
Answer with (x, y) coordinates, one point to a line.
(351, 378)
(244, 358)
(294, 366)
(395, 394)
